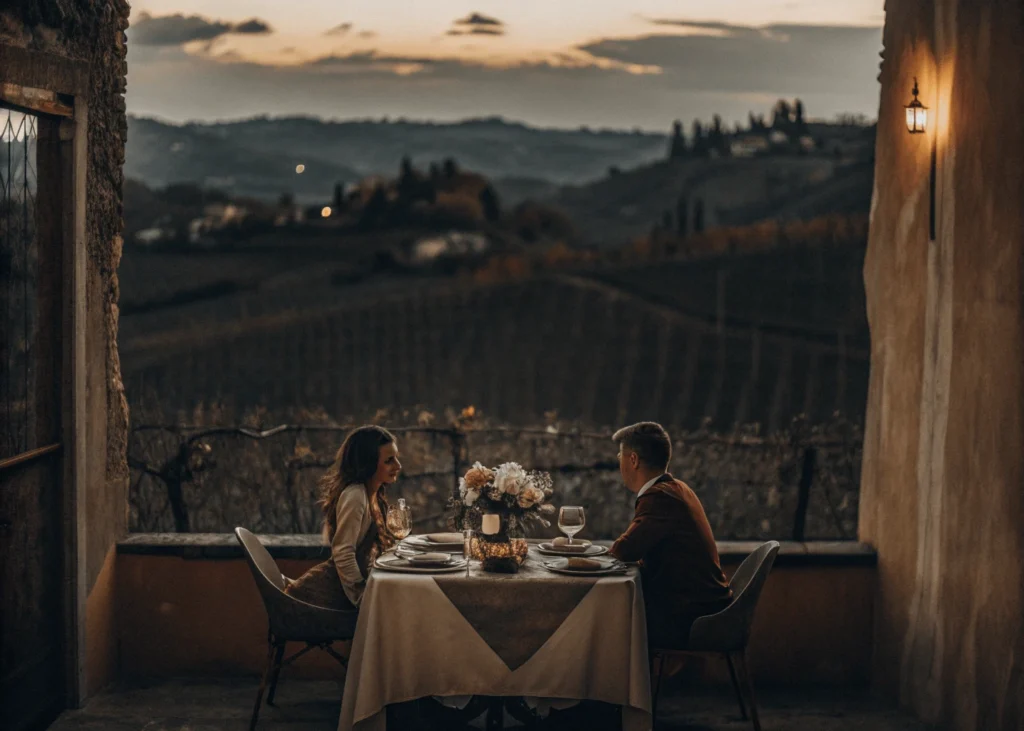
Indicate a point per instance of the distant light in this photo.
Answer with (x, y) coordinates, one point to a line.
(325, 212)
(300, 168)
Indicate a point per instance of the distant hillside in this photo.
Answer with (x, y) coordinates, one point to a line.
(732, 192)
(258, 156)
(159, 154)
(613, 345)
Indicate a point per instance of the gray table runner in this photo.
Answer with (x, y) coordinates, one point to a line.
(515, 614)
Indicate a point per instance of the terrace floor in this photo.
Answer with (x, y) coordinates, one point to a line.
(225, 704)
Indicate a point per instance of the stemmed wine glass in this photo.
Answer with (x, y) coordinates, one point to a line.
(399, 520)
(571, 520)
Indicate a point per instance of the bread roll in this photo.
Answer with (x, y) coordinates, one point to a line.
(563, 542)
(588, 564)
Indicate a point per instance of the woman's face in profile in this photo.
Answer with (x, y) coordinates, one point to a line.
(388, 466)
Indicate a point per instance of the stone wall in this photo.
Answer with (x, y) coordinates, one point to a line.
(77, 47)
(943, 470)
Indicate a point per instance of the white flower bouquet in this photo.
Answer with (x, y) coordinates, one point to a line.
(510, 491)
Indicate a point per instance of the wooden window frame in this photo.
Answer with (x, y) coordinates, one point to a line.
(56, 89)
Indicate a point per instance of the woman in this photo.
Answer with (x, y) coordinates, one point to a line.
(355, 511)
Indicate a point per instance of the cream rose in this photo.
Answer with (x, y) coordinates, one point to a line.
(510, 478)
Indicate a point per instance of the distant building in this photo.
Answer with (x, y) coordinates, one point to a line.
(749, 146)
(429, 249)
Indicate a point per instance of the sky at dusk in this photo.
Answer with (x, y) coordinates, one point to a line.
(559, 63)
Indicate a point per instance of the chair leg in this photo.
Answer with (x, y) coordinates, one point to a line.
(749, 687)
(263, 685)
(275, 673)
(657, 687)
(736, 686)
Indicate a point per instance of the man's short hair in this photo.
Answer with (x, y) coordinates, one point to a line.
(650, 442)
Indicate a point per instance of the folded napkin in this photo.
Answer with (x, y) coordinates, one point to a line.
(574, 548)
(444, 537)
(563, 542)
(588, 564)
(431, 557)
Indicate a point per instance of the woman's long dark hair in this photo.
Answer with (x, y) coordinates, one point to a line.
(355, 464)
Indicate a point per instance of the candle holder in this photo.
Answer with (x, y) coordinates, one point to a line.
(499, 553)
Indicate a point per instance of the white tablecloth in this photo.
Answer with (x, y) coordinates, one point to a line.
(412, 642)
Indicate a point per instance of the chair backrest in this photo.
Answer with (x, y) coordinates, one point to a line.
(262, 564)
(290, 618)
(749, 568)
(729, 629)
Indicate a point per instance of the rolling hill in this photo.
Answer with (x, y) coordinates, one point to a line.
(600, 348)
(258, 156)
(733, 192)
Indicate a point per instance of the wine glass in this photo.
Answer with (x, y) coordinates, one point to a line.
(398, 520)
(467, 546)
(571, 520)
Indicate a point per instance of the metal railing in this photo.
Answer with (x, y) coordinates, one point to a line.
(189, 455)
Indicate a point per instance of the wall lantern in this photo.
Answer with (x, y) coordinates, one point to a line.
(917, 114)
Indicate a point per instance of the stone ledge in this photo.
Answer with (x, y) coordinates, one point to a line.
(311, 547)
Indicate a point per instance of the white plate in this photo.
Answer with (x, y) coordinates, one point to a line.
(560, 566)
(400, 565)
(548, 550)
(421, 543)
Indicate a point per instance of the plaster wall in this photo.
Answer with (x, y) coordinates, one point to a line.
(189, 617)
(943, 471)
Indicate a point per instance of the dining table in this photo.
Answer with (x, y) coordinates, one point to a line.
(548, 638)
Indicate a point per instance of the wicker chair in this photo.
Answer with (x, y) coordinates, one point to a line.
(727, 632)
(289, 619)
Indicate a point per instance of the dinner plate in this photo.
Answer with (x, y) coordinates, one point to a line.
(548, 550)
(561, 566)
(425, 559)
(421, 543)
(400, 565)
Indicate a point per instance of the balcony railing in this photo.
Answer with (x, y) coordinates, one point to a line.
(797, 484)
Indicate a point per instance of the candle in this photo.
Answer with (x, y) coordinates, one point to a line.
(491, 524)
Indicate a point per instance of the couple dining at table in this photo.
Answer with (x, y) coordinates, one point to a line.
(669, 536)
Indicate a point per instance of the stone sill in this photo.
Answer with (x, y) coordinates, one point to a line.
(312, 548)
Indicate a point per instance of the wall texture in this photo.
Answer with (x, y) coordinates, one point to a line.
(88, 37)
(200, 617)
(943, 472)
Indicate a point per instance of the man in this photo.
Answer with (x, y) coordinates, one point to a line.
(670, 537)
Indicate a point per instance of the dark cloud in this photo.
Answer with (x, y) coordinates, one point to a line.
(730, 72)
(339, 30)
(478, 19)
(252, 26)
(367, 34)
(724, 28)
(478, 31)
(371, 59)
(476, 24)
(784, 59)
(176, 30)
